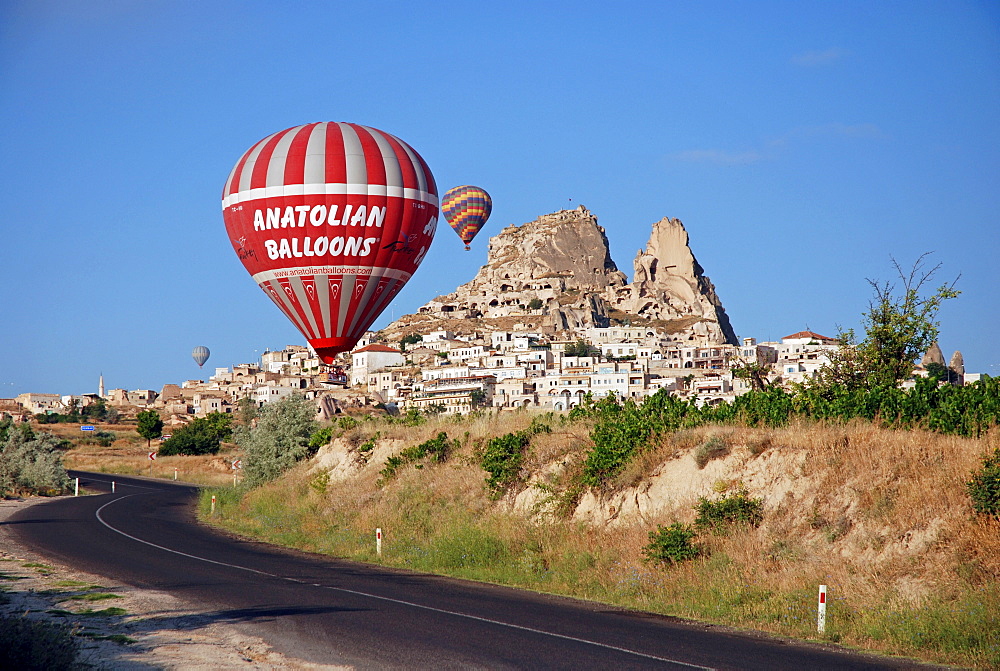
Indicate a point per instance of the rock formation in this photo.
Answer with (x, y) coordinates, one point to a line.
(670, 284)
(933, 355)
(556, 274)
(957, 365)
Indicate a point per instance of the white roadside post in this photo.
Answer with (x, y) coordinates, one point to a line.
(378, 541)
(821, 612)
(112, 486)
(175, 473)
(213, 504)
(76, 488)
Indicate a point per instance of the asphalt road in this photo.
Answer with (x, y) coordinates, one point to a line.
(324, 610)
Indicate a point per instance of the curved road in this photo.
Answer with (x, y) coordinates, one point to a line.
(329, 611)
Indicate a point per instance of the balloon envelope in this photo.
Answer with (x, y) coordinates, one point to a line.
(466, 208)
(331, 220)
(200, 355)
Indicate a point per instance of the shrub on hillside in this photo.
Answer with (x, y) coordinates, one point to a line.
(504, 455)
(437, 448)
(984, 487)
(671, 545)
(713, 448)
(320, 437)
(279, 440)
(30, 463)
(202, 436)
(729, 510)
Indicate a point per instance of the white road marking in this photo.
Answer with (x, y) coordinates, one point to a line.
(389, 599)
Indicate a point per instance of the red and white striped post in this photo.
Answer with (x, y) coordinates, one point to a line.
(378, 541)
(821, 611)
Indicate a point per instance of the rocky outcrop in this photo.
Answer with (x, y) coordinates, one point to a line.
(556, 273)
(957, 363)
(669, 284)
(560, 259)
(933, 355)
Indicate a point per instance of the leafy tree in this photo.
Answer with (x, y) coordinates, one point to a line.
(150, 425)
(30, 462)
(535, 304)
(279, 440)
(246, 410)
(899, 327)
(578, 348)
(478, 397)
(202, 436)
(409, 339)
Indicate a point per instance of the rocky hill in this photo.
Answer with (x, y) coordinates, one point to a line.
(556, 274)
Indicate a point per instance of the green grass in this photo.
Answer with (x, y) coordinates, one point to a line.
(107, 612)
(120, 639)
(76, 583)
(95, 596)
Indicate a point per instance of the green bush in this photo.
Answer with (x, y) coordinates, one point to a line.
(713, 448)
(320, 437)
(30, 463)
(31, 644)
(623, 429)
(984, 487)
(729, 510)
(671, 545)
(437, 448)
(201, 436)
(503, 456)
(346, 422)
(278, 441)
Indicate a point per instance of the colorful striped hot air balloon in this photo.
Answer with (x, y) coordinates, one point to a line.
(466, 208)
(331, 220)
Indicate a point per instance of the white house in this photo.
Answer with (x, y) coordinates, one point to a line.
(372, 358)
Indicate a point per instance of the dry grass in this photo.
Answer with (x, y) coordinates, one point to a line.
(129, 455)
(879, 516)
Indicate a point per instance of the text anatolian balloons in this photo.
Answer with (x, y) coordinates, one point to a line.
(331, 220)
(200, 355)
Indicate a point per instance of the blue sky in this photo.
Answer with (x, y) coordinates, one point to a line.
(803, 144)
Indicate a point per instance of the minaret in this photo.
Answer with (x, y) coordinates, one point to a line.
(100, 386)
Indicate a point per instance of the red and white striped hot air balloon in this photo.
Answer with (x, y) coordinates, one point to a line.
(331, 220)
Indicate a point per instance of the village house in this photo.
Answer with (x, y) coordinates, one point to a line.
(453, 396)
(40, 403)
(514, 393)
(372, 358)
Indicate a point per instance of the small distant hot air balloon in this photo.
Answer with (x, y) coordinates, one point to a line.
(331, 220)
(200, 355)
(466, 208)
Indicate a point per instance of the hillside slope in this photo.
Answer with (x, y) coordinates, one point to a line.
(880, 516)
